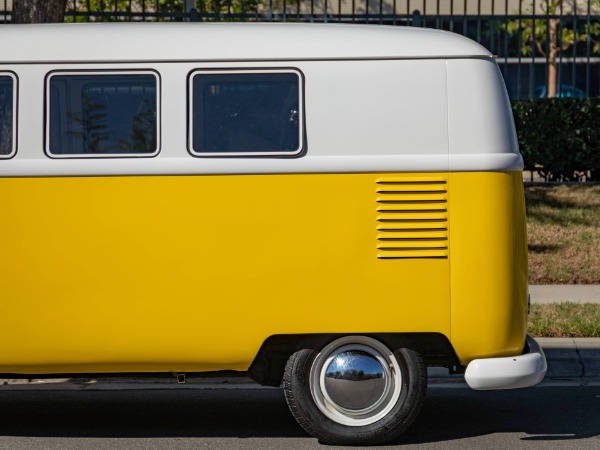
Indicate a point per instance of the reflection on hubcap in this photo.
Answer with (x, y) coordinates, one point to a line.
(355, 380)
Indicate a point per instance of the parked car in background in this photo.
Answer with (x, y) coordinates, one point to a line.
(564, 90)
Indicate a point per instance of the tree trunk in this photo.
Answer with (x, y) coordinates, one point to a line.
(38, 11)
(552, 56)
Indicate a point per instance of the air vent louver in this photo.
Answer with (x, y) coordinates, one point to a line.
(412, 217)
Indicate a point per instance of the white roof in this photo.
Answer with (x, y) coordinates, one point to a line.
(226, 42)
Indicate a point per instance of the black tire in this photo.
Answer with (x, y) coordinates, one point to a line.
(394, 418)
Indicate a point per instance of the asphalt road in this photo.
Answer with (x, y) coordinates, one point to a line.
(565, 416)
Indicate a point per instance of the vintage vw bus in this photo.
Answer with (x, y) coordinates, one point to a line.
(334, 208)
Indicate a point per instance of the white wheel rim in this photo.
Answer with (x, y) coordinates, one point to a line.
(378, 409)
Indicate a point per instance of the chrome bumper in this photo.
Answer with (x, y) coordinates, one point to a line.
(510, 372)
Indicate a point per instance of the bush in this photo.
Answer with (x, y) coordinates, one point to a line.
(560, 137)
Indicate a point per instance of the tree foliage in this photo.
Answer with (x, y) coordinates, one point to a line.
(594, 29)
(112, 10)
(34, 11)
(549, 33)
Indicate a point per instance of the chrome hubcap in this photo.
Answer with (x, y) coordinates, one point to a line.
(355, 380)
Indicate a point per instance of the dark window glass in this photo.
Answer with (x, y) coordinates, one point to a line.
(6, 115)
(245, 113)
(103, 114)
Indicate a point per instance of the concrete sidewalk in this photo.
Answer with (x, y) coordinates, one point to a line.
(557, 293)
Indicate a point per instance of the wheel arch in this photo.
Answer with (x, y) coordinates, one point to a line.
(269, 364)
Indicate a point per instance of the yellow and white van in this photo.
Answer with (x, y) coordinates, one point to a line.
(331, 207)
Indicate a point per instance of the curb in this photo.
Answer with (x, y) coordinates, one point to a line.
(572, 357)
(567, 358)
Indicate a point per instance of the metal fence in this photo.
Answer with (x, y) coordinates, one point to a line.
(536, 41)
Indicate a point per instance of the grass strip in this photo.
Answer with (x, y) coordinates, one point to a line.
(563, 227)
(564, 320)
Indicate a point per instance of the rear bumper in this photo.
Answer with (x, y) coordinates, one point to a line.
(510, 372)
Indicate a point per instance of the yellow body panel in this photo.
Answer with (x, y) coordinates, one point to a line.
(488, 265)
(193, 273)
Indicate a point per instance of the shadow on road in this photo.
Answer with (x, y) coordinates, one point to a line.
(540, 414)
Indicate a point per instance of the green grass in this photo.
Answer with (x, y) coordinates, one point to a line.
(564, 320)
(563, 228)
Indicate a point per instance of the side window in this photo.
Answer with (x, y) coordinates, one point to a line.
(102, 114)
(8, 107)
(240, 113)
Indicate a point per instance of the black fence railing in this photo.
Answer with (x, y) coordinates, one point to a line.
(545, 48)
